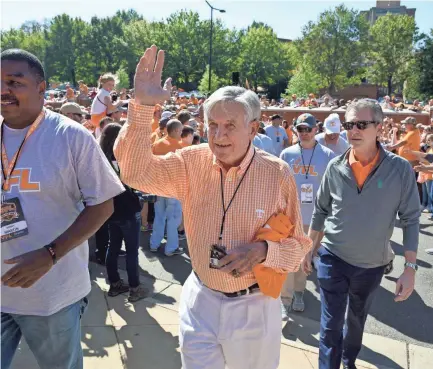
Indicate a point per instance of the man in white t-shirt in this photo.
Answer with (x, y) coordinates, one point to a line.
(45, 225)
(331, 137)
(277, 134)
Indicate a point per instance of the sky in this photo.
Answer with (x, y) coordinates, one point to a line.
(286, 17)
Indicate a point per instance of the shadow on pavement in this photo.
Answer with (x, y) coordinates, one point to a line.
(145, 333)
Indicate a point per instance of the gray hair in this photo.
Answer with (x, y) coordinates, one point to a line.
(233, 94)
(362, 104)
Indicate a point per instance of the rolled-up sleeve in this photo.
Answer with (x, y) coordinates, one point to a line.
(140, 169)
(285, 256)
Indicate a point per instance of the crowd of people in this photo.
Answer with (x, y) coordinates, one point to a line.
(281, 199)
(326, 101)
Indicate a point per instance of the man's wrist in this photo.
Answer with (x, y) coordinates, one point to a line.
(51, 250)
(263, 251)
(413, 267)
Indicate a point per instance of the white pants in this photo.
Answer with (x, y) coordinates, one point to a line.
(218, 332)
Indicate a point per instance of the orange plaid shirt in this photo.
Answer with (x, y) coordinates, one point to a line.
(192, 175)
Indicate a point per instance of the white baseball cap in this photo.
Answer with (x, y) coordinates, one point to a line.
(166, 114)
(332, 124)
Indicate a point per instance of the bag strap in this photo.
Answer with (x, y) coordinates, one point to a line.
(101, 101)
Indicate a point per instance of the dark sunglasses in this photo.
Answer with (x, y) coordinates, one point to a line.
(304, 129)
(361, 124)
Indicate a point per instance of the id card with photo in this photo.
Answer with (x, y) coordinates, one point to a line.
(13, 223)
(307, 193)
(217, 252)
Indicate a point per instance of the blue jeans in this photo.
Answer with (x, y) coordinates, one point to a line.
(343, 285)
(166, 211)
(427, 195)
(55, 340)
(128, 230)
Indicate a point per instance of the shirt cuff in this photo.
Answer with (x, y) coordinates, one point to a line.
(273, 255)
(140, 114)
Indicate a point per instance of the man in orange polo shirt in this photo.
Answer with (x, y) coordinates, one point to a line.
(351, 233)
(168, 211)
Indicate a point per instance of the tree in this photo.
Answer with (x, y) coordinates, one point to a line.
(204, 83)
(123, 78)
(424, 66)
(303, 82)
(263, 57)
(334, 45)
(185, 38)
(392, 49)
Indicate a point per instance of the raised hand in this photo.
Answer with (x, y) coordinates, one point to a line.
(147, 81)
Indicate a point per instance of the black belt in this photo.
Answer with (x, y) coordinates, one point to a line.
(251, 289)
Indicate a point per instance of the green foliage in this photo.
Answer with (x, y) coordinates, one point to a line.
(203, 87)
(123, 79)
(424, 66)
(303, 82)
(392, 40)
(264, 58)
(333, 46)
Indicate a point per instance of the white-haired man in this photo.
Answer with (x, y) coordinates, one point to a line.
(228, 190)
(331, 137)
(356, 232)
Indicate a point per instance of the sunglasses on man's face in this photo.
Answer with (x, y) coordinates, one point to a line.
(304, 129)
(361, 124)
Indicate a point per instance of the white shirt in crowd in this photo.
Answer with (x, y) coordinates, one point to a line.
(339, 148)
(98, 104)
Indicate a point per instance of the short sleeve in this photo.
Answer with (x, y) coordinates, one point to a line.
(96, 179)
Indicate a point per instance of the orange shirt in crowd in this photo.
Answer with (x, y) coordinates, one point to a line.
(84, 89)
(189, 173)
(193, 101)
(361, 172)
(70, 94)
(166, 145)
(155, 124)
(413, 139)
(155, 121)
(290, 135)
(157, 135)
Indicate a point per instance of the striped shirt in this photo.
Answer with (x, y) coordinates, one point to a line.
(192, 175)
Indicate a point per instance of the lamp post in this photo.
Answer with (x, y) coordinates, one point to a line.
(210, 40)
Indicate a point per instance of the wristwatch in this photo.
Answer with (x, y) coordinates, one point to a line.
(51, 248)
(411, 265)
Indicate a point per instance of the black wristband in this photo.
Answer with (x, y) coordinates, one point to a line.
(51, 248)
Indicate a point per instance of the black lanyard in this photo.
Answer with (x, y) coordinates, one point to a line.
(309, 164)
(225, 210)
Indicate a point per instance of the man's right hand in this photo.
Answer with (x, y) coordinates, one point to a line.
(147, 81)
(306, 263)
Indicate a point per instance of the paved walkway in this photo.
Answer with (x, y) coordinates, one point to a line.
(144, 335)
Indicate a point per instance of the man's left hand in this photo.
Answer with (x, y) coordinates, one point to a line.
(243, 259)
(405, 285)
(29, 268)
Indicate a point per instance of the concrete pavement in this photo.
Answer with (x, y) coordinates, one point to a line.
(120, 335)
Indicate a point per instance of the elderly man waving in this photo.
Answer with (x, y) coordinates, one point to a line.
(228, 190)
